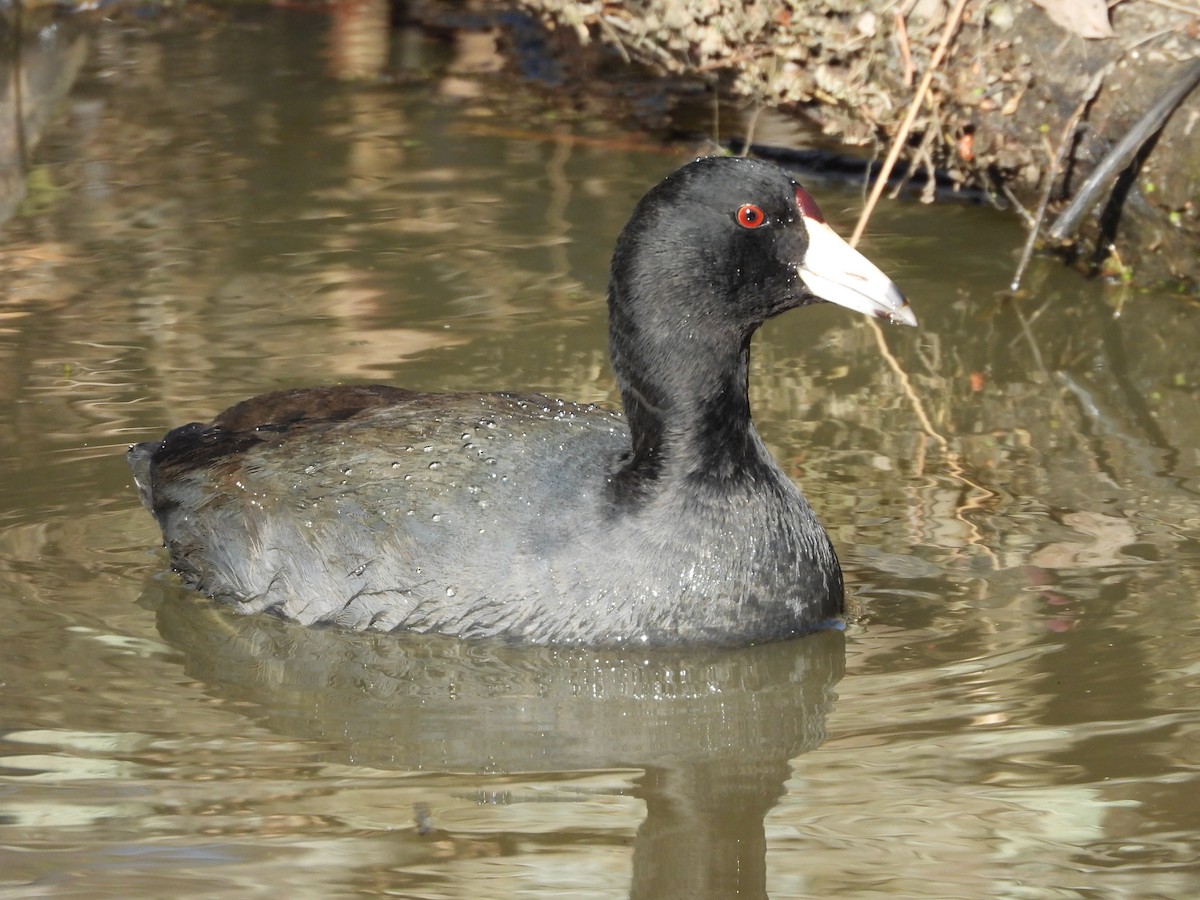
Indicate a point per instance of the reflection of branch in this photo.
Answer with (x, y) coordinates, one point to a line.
(906, 385)
(1040, 362)
(1103, 423)
(954, 465)
(559, 199)
(1086, 402)
(1033, 346)
(631, 143)
(970, 504)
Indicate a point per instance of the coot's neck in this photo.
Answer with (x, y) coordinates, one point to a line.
(685, 393)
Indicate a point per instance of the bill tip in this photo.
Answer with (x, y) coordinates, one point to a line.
(901, 315)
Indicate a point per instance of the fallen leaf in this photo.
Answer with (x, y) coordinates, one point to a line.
(1087, 18)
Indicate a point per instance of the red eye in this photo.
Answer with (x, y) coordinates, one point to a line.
(751, 216)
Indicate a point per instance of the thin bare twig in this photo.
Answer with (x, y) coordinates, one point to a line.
(1064, 144)
(910, 117)
(877, 191)
(607, 28)
(913, 164)
(1018, 206)
(905, 50)
(1178, 7)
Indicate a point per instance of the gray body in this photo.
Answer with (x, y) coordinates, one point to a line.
(477, 515)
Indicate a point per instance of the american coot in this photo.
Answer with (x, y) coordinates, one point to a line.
(522, 517)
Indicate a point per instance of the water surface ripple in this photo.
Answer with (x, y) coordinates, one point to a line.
(222, 209)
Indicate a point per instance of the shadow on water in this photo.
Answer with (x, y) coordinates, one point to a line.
(711, 732)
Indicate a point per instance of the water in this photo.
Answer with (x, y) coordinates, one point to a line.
(229, 207)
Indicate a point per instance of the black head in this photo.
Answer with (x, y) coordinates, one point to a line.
(710, 253)
(727, 242)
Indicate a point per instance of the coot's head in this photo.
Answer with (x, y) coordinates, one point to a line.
(725, 243)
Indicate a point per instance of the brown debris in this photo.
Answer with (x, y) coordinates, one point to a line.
(1011, 81)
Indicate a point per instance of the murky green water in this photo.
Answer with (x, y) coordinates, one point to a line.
(226, 208)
